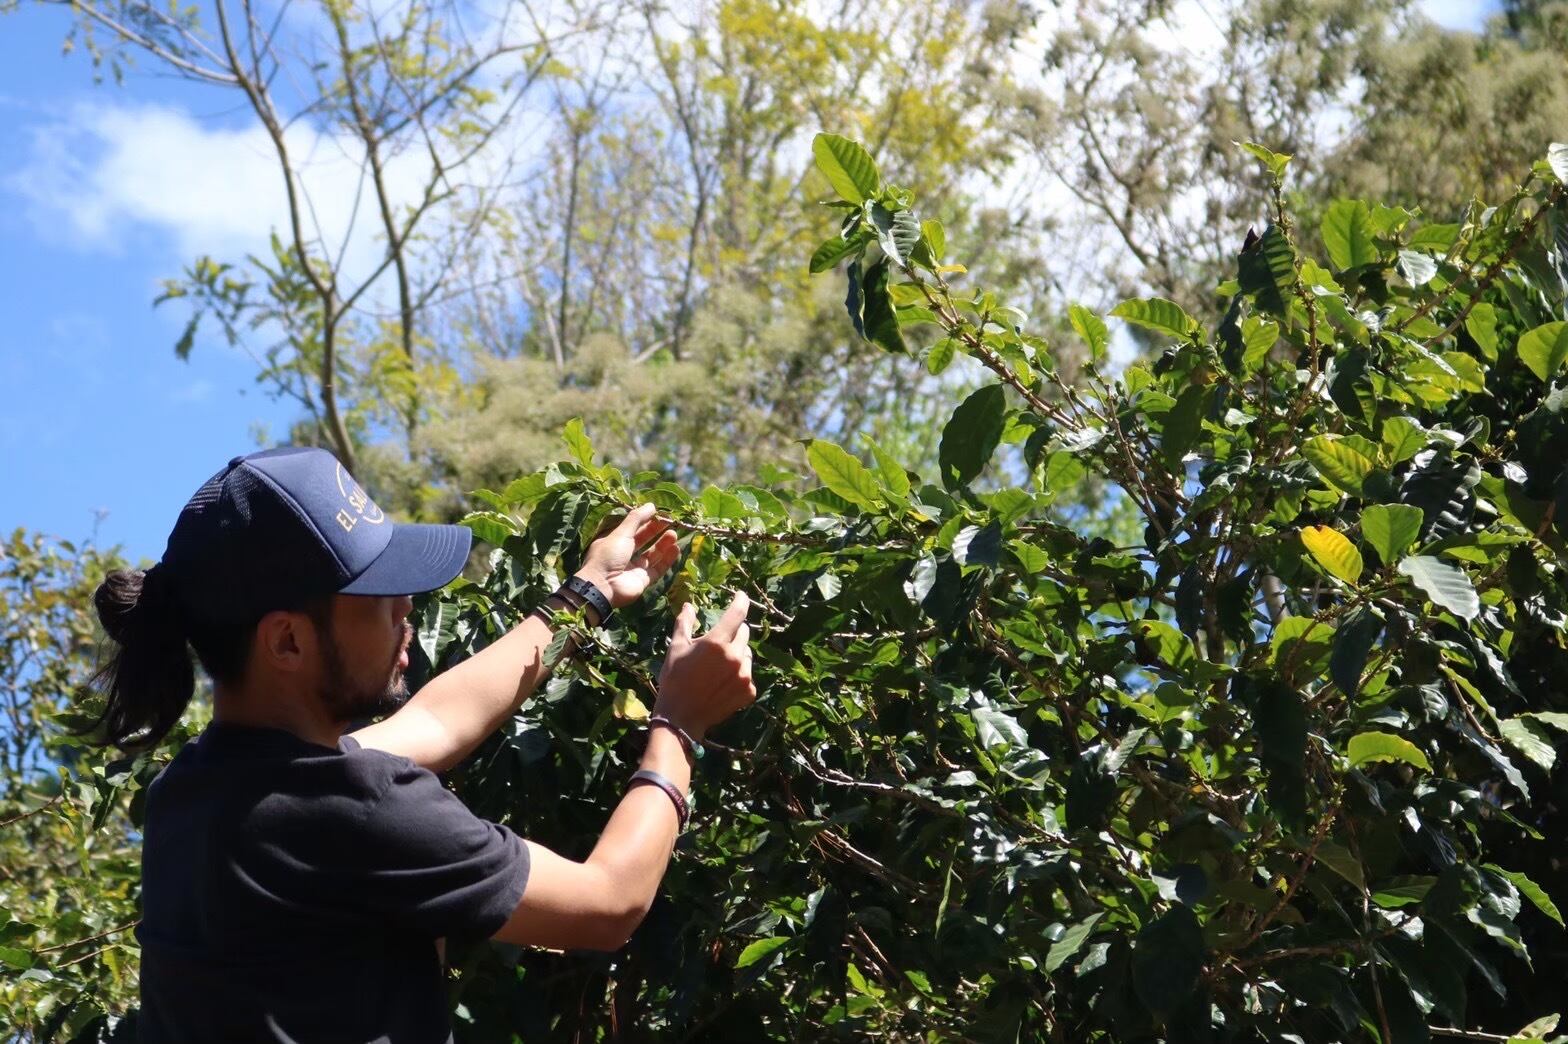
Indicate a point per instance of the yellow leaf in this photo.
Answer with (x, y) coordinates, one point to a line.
(1333, 552)
(628, 706)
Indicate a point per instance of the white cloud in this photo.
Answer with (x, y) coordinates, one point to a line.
(212, 190)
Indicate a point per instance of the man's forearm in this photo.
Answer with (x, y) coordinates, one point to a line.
(635, 847)
(458, 708)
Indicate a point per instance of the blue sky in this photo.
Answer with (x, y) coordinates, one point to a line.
(105, 191)
(99, 414)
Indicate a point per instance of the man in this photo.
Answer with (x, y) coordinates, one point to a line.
(297, 881)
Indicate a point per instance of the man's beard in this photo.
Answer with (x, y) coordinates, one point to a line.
(351, 700)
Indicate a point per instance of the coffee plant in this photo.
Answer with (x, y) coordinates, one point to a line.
(1281, 769)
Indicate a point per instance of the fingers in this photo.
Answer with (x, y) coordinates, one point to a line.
(734, 616)
(658, 559)
(685, 622)
(635, 519)
(742, 640)
(650, 527)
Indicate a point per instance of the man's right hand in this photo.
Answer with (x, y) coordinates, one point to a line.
(707, 679)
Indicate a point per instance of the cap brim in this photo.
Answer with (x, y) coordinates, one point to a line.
(419, 558)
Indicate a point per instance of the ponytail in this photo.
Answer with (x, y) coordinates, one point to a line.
(149, 679)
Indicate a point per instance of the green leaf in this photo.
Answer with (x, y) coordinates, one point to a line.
(1537, 1031)
(182, 347)
(1347, 234)
(1167, 958)
(1352, 646)
(1171, 646)
(1157, 314)
(834, 250)
(978, 545)
(759, 949)
(941, 355)
(1183, 423)
(1481, 325)
(1402, 439)
(1391, 529)
(998, 731)
(934, 235)
(1445, 585)
(1071, 942)
(898, 232)
(1343, 862)
(880, 319)
(1544, 349)
(843, 474)
(921, 579)
(1267, 271)
(1366, 747)
(971, 436)
(16, 958)
(1529, 739)
(1435, 239)
(1334, 552)
(848, 167)
(1257, 337)
(1531, 891)
(1339, 462)
(1280, 719)
(576, 439)
(894, 478)
(1063, 471)
(1556, 719)
(1402, 891)
(1416, 268)
(1092, 329)
(854, 299)
(490, 526)
(1557, 159)
(1274, 161)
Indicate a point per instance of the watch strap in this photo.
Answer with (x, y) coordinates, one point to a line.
(588, 591)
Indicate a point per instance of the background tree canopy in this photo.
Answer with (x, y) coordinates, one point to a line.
(1177, 668)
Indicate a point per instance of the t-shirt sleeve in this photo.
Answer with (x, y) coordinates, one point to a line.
(429, 865)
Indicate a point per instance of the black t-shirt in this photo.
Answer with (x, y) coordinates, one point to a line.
(294, 892)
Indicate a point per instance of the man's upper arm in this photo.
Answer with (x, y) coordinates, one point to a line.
(414, 733)
(569, 906)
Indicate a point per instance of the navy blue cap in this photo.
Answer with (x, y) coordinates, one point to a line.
(282, 525)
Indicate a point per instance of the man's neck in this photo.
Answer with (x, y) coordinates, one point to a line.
(307, 719)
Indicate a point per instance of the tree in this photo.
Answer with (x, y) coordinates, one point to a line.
(1283, 766)
(70, 854)
(1484, 101)
(608, 257)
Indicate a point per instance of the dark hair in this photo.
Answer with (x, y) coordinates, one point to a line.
(148, 680)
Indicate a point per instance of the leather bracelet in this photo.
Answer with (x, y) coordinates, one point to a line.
(544, 611)
(682, 809)
(589, 592)
(693, 747)
(574, 601)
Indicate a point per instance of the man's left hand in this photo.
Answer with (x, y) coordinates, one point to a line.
(631, 556)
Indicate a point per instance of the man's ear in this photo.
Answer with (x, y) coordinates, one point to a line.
(285, 640)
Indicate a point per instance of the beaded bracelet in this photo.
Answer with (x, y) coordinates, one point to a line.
(682, 809)
(693, 748)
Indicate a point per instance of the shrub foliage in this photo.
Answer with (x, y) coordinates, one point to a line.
(1281, 769)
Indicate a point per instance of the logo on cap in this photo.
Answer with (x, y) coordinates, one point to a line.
(364, 509)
